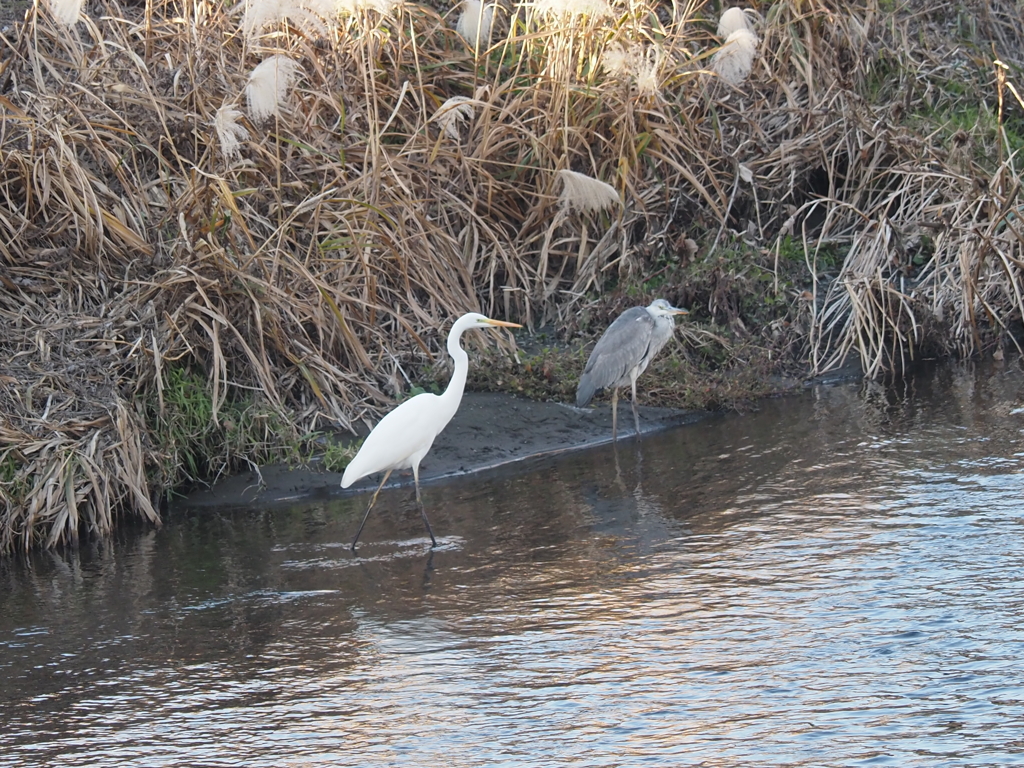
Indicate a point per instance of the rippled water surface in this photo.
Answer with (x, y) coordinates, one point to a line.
(837, 579)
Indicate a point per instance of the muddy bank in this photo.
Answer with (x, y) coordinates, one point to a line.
(490, 430)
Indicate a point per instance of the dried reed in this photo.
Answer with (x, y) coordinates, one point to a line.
(299, 281)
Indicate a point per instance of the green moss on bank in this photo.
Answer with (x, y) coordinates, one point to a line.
(745, 336)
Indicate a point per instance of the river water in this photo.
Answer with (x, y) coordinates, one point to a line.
(836, 579)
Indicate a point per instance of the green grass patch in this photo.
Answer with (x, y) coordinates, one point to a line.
(195, 445)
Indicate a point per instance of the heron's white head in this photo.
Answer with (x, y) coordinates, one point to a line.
(661, 308)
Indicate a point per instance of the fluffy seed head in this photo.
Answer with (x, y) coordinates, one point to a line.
(452, 114)
(732, 20)
(594, 9)
(475, 23)
(647, 80)
(357, 7)
(229, 132)
(268, 86)
(637, 62)
(734, 61)
(585, 193)
(304, 14)
(66, 12)
(616, 61)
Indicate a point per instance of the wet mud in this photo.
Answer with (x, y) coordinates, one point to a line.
(490, 430)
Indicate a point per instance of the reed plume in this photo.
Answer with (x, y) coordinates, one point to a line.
(647, 74)
(732, 20)
(637, 63)
(268, 86)
(229, 132)
(474, 23)
(451, 115)
(616, 60)
(734, 61)
(358, 7)
(66, 12)
(304, 14)
(585, 193)
(594, 9)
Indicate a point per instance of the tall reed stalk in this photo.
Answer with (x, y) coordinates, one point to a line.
(154, 223)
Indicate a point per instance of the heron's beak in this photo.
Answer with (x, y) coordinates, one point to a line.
(678, 311)
(502, 323)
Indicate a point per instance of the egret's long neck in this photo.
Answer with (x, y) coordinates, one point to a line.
(458, 381)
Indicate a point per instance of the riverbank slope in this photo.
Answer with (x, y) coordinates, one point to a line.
(227, 233)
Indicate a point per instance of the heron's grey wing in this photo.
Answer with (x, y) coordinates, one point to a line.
(617, 352)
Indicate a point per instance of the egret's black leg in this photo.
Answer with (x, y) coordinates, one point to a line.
(372, 500)
(419, 503)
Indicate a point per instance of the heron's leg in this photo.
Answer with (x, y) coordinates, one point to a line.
(615, 411)
(636, 417)
(372, 500)
(618, 468)
(419, 503)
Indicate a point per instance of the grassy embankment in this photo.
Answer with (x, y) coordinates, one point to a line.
(205, 263)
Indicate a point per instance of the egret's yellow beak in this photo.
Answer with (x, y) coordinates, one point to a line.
(502, 323)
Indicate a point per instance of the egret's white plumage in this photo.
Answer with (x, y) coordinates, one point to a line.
(624, 351)
(403, 437)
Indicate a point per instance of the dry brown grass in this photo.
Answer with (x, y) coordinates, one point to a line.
(313, 262)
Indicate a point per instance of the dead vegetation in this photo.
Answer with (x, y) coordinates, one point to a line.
(224, 229)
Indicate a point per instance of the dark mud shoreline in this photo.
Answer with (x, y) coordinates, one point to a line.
(490, 430)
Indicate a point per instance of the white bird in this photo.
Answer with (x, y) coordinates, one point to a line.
(624, 351)
(403, 437)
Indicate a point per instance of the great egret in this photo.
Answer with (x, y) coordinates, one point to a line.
(624, 352)
(402, 438)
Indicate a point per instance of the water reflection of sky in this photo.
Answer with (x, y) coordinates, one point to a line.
(833, 580)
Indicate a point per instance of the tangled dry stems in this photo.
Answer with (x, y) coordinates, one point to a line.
(308, 250)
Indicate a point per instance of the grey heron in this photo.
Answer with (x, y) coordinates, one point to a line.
(624, 351)
(402, 438)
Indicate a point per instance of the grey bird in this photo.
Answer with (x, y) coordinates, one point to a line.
(624, 352)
